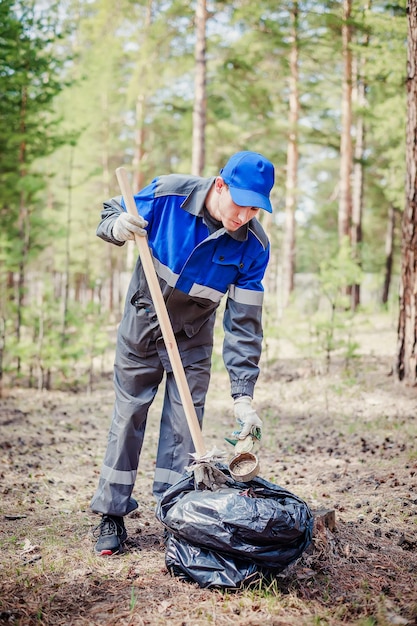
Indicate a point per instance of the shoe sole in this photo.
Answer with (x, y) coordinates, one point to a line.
(119, 550)
(107, 553)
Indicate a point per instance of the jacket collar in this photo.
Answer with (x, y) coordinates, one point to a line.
(194, 204)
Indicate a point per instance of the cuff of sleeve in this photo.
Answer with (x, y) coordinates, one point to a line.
(242, 388)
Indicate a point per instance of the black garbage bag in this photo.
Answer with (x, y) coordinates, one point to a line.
(209, 569)
(225, 538)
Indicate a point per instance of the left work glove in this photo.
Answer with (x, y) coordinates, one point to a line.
(247, 418)
(127, 225)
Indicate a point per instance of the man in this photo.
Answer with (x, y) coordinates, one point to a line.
(205, 242)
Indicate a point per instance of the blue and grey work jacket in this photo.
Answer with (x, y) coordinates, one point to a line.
(196, 266)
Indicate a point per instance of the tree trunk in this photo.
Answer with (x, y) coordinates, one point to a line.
(288, 261)
(200, 100)
(357, 205)
(138, 178)
(407, 322)
(345, 196)
(23, 225)
(2, 347)
(389, 252)
(359, 96)
(138, 157)
(67, 259)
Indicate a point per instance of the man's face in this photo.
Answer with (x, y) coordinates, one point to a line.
(230, 214)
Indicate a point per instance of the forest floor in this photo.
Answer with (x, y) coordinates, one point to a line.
(343, 440)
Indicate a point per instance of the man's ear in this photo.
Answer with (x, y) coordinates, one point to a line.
(219, 184)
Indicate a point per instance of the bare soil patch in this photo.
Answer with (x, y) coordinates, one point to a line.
(345, 441)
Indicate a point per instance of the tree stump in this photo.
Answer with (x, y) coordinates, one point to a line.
(324, 518)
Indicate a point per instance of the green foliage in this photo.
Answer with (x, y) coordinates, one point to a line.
(331, 327)
(52, 357)
(31, 72)
(31, 76)
(336, 274)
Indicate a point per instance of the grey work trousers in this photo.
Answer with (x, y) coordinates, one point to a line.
(136, 383)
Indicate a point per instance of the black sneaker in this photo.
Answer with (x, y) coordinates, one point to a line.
(111, 533)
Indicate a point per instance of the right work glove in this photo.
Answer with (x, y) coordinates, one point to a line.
(247, 418)
(250, 425)
(126, 226)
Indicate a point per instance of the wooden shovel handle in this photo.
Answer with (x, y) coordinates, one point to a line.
(163, 319)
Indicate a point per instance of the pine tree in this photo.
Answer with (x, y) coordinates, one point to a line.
(31, 78)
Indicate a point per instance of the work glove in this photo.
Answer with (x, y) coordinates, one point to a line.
(127, 225)
(247, 418)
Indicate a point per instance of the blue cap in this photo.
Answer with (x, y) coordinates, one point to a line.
(250, 177)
